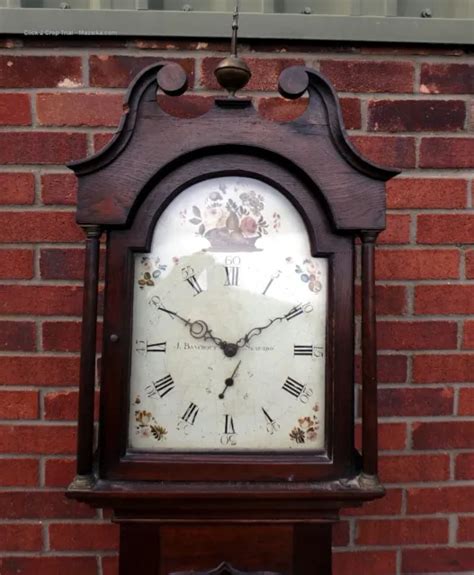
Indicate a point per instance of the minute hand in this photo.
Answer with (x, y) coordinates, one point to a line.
(258, 330)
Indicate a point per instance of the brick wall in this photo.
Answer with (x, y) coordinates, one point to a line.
(406, 107)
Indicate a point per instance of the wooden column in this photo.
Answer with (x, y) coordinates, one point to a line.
(85, 435)
(369, 356)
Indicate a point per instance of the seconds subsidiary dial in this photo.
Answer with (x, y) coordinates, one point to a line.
(229, 326)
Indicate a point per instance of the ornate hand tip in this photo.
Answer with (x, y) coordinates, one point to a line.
(172, 79)
(293, 82)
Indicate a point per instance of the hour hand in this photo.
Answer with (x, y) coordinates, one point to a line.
(199, 330)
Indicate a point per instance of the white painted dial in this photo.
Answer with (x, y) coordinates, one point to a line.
(229, 326)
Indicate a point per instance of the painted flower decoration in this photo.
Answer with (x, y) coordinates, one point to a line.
(152, 270)
(231, 224)
(309, 273)
(147, 425)
(307, 428)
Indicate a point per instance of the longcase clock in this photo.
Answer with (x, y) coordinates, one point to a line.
(226, 430)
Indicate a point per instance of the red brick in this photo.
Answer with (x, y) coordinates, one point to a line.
(61, 405)
(465, 529)
(447, 79)
(402, 532)
(109, 71)
(110, 565)
(41, 505)
(187, 106)
(395, 151)
(465, 466)
(20, 537)
(470, 264)
(18, 404)
(40, 300)
(42, 565)
(440, 499)
(40, 72)
(30, 226)
(59, 472)
(62, 264)
(391, 300)
(41, 147)
(392, 436)
(399, 335)
(416, 115)
(403, 193)
(74, 109)
(444, 299)
(19, 472)
(17, 188)
(61, 336)
(468, 335)
(445, 228)
(417, 264)
(16, 264)
(17, 336)
(83, 536)
(438, 560)
(39, 370)
(265, 72)
(390, 368)
(340, 534)
(364, 562)
(442, 435)
(466, 401)
(15, 110)
(397, 230)
(37, 439)
(409, 468)
(283, 110)
(101, 140)
(443, 368)
(369, 76)
(60, 189)
(440, 152)
(408, 402)
(390, 504)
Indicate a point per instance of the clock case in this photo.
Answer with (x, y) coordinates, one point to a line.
(123, 189)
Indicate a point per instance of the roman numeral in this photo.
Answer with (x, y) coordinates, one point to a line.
(156, 347)
(192, 281)
(303, 350)
(232, 275)
(189, 416)
(229, 425)
(293, 387)
(161, 387)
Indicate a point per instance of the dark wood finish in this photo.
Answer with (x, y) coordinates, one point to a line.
(139, 549)
(188, 512)
(312, 552)
(224, 569)
(369, 357)
(85, 435)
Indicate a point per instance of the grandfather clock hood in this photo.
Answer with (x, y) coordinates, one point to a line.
(156, 171)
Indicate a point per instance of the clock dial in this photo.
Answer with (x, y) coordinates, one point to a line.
(229, 326)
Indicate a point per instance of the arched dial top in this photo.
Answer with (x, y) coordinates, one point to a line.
(229, 326)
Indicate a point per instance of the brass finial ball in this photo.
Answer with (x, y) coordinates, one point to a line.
(232, 74)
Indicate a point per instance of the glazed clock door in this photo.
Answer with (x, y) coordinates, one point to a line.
(229, 326)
